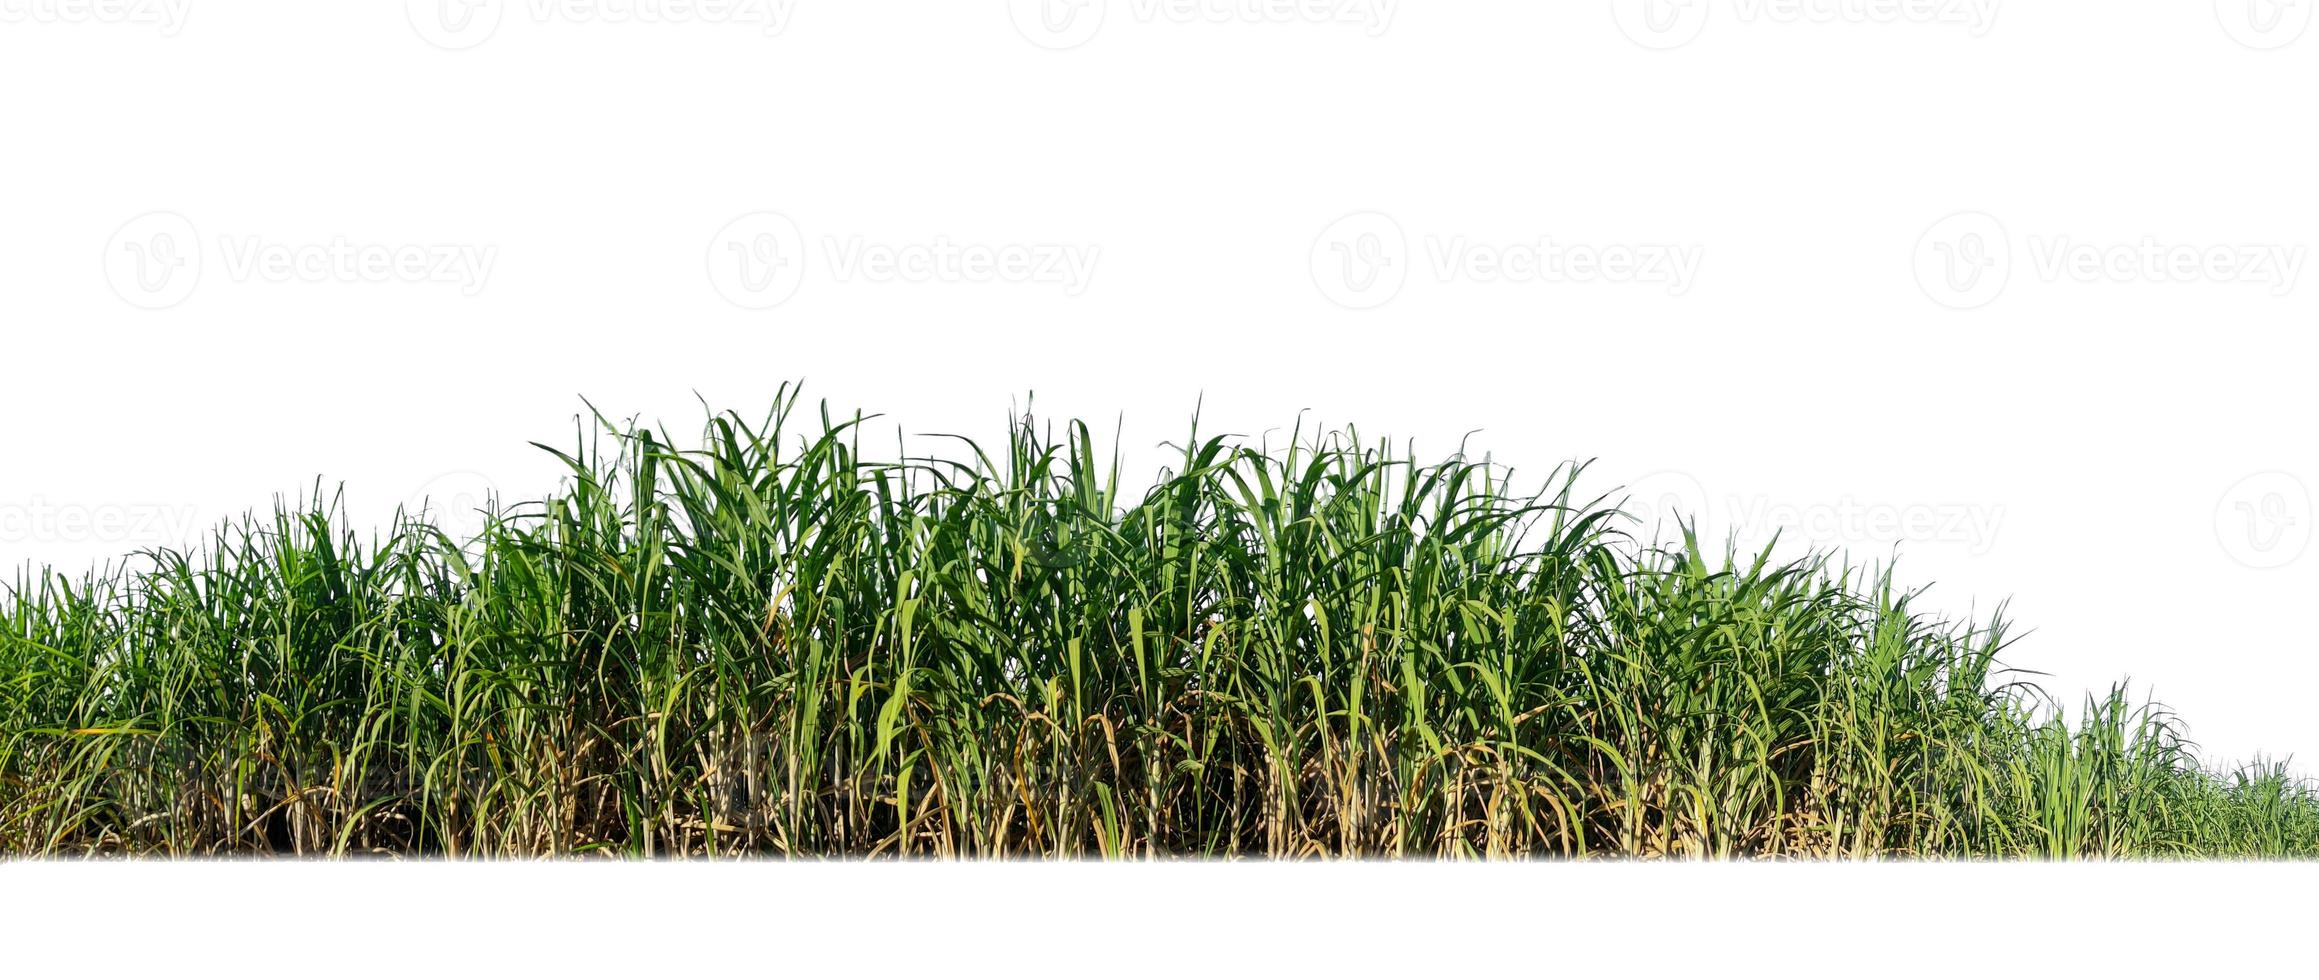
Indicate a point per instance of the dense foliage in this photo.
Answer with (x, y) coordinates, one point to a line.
(770, 644)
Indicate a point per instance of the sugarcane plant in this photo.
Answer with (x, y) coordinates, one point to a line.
(768, 641)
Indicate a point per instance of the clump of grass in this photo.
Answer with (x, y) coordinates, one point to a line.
(771, 643)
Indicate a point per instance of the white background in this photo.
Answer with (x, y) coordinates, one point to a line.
(1167, 922)
(1847, 360)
